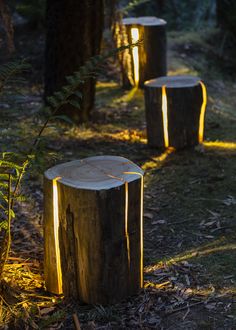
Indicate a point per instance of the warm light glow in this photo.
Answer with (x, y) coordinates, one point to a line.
(202, 113)
(131, 135)
(165, 116)
(129, 96)
(56, 238)
(194, 253)
(220, 145)
(199, 253)
(141, 226)
(182, 70)
(157, 160)
(126, 220)
(135, 38)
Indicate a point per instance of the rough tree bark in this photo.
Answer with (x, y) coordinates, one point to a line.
(175, 106)
(226, 14)
(152, 60)
(96, 220)
(6, 19)
(74, 33)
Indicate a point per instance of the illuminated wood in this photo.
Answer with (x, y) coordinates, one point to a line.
(100, 231)
(151, 53)
(175, 110)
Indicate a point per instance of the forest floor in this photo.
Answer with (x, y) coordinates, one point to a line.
(189, 205)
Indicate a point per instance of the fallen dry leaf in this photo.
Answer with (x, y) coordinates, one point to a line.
(148, 215)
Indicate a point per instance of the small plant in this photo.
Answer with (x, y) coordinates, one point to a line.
(13, 166)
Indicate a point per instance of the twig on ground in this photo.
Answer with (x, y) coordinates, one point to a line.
(184, 307)
(185, 315)
(223, 228)
(76, 322)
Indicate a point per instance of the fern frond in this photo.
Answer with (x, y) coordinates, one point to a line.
(3, 225)
(89, 70)
(10, 165)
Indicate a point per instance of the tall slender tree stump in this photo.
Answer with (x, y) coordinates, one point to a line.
(175, 110)
(148, 60)
(93, 213)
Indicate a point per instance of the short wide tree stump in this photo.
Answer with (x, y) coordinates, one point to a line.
(148, 60)
(93, 229)
(175, 111)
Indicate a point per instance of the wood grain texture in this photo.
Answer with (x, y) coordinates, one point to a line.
(100, 257)
(184, 101)
(152, 51)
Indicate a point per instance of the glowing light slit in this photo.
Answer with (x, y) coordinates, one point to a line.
(165, 116)
(141, 226)
(202, 113)
(220, 144)
(135, 38)
(56, 236)
(126, 220)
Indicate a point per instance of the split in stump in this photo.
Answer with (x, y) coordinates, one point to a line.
(148, 60)
(175, 111)
(93, 229)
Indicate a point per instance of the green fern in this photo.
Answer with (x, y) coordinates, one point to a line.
(70, 94)
(14, 166)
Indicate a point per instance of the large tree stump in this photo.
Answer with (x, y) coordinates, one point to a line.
(175, 111)
(93, 229)
(148, 60)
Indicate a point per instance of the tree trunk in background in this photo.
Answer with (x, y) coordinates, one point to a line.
(225, 12)
(226, 16)
(220, 4)
(6, 20)
(74, 33)
(160, 7)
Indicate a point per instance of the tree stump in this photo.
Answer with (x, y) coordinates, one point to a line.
(175, 110)
(93, 229)
(148, 60)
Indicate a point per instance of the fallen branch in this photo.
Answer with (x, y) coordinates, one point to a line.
(76, 322)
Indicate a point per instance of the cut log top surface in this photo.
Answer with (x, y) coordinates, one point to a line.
(95, 173)
(174, 82)
(144, 20)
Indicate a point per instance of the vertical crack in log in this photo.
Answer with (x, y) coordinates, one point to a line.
(126, 220)
(202, 113)
(165, 116)
(135, 38)
(56, 236)
(71, 253)
(141, 225)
